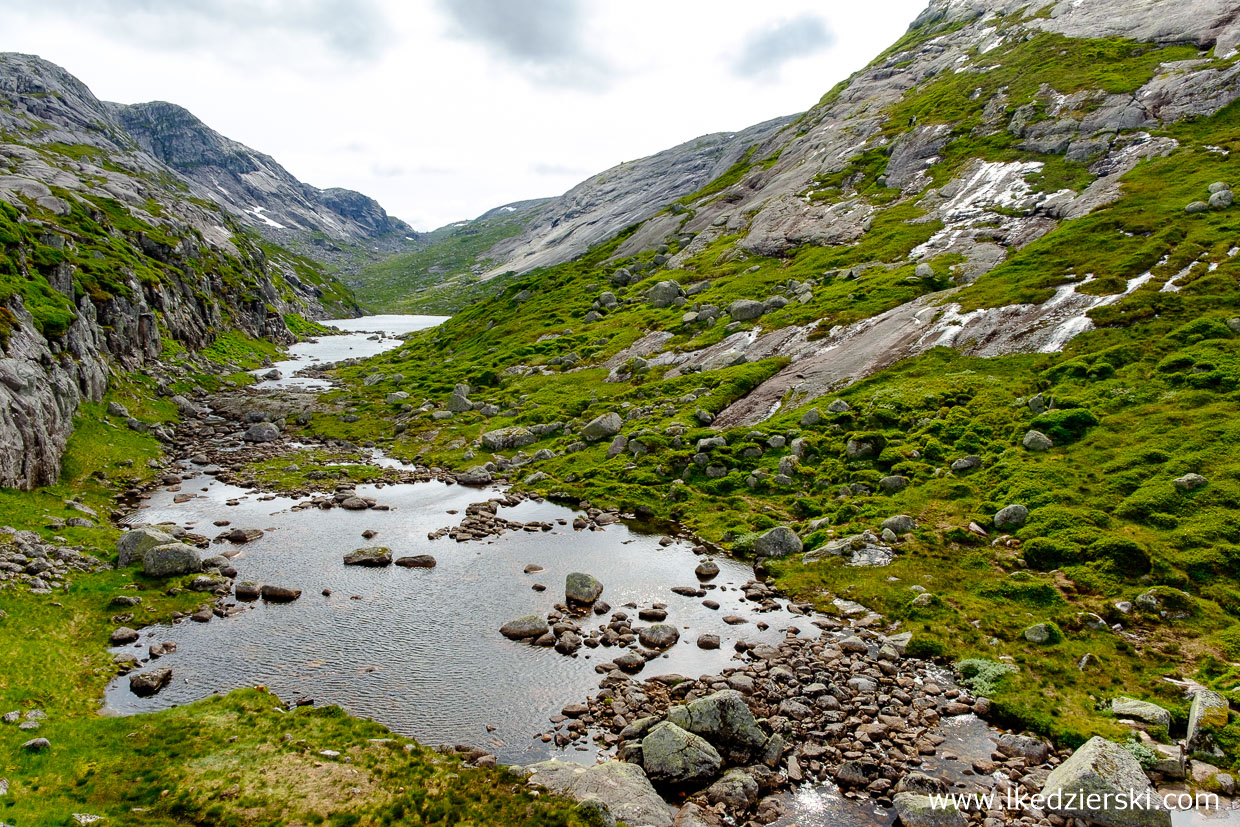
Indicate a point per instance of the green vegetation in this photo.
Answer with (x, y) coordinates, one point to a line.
(438, 278)
(1148, 396)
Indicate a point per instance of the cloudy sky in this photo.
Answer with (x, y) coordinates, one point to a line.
(443, 109)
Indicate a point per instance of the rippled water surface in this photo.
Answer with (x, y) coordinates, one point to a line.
(419, 649)
(360, 340)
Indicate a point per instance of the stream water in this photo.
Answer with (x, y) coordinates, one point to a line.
(419, 650)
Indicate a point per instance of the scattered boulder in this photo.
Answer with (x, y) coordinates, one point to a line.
(916, 810)
(1154, 714)
(725, 719)
(581, 589)
(602, 427)
(37, 745)
(370, 556)
(1037, 442)
(622, 787)
(900, 524)
(659, 636)
(171, 560)
(530, 626)
(778, 542)
(417, 561)
(1011, 517)
(476, 476)
(1207, 713)
(505, 439)
(1190, 482)
(262, 432)
(136, 542)
(279, 594)
(1043, 634)
(146, 684)
(1102, 773)
(675, 756)
(743, 310)
(123, 635)
(248, 590)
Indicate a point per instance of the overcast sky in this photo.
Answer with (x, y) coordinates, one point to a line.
(443, 109)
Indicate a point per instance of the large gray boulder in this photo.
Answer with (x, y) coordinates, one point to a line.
(663, 294)
(477, 476)
(777, 542)
(623, 788)
(459, 401)
(581, 589)
(1102, 771)
(262, 432)
(171, 560)
(506, 438)
(1037, 442)
(1207, 713)
(675, 756)
(135, 543)
(1011, 517)
(743, 310)
(900, 524)
(726, 721)
(916, 810)
(1137, 710)
(658, 636)
(602, 427)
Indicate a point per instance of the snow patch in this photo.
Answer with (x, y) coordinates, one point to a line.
(258, 211)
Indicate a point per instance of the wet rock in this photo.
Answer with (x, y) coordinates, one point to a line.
(708, 641)
(146, 684)
(530, 626)
(133, 544)
(1103, 771)
(279, 594)
(171, 560)
(630, 662)
(581, 589)
(417, 561)
(243, 535)
(707, 569)
(209, 583)
(658, 636)
(370, 556)
(248, 590)
(674, 756)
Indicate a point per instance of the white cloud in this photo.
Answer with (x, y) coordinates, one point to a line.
(443, 109)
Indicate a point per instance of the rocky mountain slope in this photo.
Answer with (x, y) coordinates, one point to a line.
(518, 238)
(256, 189)
(961, 344)
(108, 261)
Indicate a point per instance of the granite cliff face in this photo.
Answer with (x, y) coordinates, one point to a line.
(105, 254)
